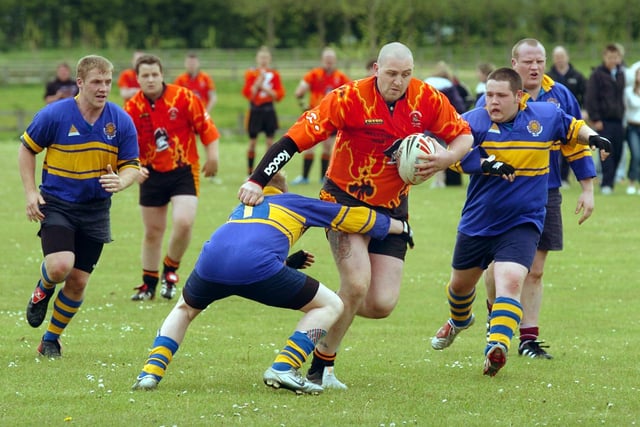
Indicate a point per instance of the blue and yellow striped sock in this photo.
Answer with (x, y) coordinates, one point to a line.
(159, 357)
(295, 353)
(505, 318)
(460, 307)
(63, 311)
(45, 283)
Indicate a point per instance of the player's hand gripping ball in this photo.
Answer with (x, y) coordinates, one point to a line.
(406, 156)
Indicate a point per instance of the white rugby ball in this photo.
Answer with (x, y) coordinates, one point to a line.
(407, 156)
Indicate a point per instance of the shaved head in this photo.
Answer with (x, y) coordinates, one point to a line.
(394, 50)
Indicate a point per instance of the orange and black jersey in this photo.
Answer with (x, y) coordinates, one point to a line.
(321, 83)
(271, 80)
(176, 117)
(366, 126)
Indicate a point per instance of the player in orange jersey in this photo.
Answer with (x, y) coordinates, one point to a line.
(262, 87)
(168, 118)
(368, 115)
(318, 82)
(128, 80)
(198, 81)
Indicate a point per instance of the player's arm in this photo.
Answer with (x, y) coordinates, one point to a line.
(213, 100)
(27, 166)
(274, 159)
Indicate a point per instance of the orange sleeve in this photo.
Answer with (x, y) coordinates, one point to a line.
(249, 78)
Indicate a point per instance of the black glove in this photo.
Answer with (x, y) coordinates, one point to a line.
(407, 234)
(597, 141)
(391, 151)
(296, 260)
(495, 167)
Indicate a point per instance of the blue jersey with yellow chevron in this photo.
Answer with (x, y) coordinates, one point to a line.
(253, 244)
(77, 152)
(579, 157)
(495, 205)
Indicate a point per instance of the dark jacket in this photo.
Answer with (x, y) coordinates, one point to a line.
(604, 99)
(573, 80)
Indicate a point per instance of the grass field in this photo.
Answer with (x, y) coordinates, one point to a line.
(590, 319)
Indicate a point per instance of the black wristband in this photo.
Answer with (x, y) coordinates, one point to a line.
(274, 159)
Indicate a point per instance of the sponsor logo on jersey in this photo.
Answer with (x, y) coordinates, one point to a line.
(274, 165)
(73, 131)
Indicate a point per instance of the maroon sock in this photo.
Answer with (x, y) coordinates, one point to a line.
(529, 333)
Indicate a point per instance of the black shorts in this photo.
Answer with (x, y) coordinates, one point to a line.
(160, 187)
(262, 118)
(551, 238)
(289, 288)
(393, 245)
(516, 245)
(79, 228)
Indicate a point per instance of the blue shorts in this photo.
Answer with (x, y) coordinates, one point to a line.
(289, 288)
(517, 245)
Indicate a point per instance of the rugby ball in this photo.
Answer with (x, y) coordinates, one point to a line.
(407, 156)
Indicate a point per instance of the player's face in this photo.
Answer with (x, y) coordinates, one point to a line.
(502, 103)
(150, 80)
(329, 62)
(263, 59)
(530, 64)
(95, 88)
(394, 76)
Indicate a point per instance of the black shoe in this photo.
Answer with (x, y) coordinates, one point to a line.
(534, 349)
(37, 307)
(50, 349)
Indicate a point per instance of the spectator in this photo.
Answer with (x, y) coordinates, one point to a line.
(63, 86)
(198, 81)
(604, 102)
(562, 71)
(443, 80)
(319, 82)
(247, 257)
(262, 88)
(168, 118)
(128, 80)
(483, 70)
(91, 154)
(632, 114)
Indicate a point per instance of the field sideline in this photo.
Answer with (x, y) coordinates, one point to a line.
(589, 317)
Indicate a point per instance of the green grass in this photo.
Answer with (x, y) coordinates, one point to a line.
(589, 317)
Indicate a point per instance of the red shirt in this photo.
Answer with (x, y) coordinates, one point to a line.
(201, 84)
(366, 127)
(128, 78)
(178, 115)
(321, 83)
(271, 80)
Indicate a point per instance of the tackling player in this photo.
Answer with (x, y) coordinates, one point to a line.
(246, 257)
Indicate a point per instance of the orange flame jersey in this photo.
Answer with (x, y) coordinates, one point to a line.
(320, 83)
(128, 78)
(177, 113)
(271, 79)
(201, 84)
(366, 127)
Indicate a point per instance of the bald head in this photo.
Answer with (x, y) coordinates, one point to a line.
(329, 59)
(394, 50)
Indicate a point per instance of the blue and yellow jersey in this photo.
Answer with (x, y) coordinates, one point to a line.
(255, 241)
(493, 204)
(578, 156)
(78, 153)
